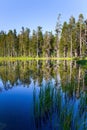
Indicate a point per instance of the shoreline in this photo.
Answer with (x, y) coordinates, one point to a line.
(41, 58)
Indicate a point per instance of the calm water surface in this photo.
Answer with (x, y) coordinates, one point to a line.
(43, 95)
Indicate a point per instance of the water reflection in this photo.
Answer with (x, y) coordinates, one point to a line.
(56, 90)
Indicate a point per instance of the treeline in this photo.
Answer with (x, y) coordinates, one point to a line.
(66, 42)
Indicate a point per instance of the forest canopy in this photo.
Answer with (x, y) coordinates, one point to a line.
(69, 40)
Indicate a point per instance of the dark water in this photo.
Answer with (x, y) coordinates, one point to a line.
(43, 95)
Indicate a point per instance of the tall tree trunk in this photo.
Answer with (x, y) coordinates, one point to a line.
(80, 41)
(71, 46)
(57, 45)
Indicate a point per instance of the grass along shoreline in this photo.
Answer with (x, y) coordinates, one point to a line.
(40, 58)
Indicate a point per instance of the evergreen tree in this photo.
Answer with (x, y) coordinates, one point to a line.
(63, 50)
(34, 44)
(69, 41)
(58, 30)
(39, 41)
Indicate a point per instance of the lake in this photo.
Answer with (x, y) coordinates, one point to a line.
(43, 95)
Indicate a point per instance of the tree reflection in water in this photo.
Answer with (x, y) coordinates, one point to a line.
(61, 102)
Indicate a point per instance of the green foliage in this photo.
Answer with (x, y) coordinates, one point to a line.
(67, 42)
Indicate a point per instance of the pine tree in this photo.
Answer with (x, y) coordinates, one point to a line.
(58, 30)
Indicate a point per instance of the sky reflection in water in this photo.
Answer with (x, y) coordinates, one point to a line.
(44, 95)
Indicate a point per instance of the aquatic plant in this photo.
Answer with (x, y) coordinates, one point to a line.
(59, 110)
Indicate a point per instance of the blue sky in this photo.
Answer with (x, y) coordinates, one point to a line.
(33, 13)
